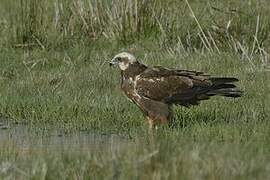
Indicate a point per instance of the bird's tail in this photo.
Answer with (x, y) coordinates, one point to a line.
(220, 86)
(224, 87)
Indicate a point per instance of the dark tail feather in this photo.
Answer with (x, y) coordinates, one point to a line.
(224, 87)
(229, 92)
(218, 81)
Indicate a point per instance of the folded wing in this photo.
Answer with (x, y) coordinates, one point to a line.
(182, 87)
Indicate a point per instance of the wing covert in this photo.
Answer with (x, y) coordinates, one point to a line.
(160, 83)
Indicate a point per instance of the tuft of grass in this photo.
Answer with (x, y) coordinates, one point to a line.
(192, 25)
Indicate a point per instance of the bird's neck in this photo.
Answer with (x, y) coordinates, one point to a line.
(133, 70)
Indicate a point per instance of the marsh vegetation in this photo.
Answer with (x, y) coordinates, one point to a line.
(54, 76)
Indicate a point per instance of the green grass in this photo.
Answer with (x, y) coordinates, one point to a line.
(54, 74)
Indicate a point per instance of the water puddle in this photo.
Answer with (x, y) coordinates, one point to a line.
(25, 138)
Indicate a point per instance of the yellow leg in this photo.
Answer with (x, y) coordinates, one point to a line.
(150, 123)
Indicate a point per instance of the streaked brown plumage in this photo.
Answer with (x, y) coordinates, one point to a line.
(154, 90)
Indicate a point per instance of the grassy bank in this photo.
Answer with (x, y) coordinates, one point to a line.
(54, 74)
(209, 25)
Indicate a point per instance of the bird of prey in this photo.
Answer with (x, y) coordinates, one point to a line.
(155, 89)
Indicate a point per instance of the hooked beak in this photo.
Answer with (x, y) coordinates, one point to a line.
(113, 62)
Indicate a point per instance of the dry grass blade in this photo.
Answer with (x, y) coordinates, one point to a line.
(204, 38)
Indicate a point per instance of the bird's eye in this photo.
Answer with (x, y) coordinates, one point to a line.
(118, 59)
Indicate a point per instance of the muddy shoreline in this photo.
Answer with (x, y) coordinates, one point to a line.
(25, 137)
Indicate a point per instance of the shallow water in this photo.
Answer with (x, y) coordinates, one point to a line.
(26, 138)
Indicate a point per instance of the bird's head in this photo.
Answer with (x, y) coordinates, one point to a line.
(123, 60)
